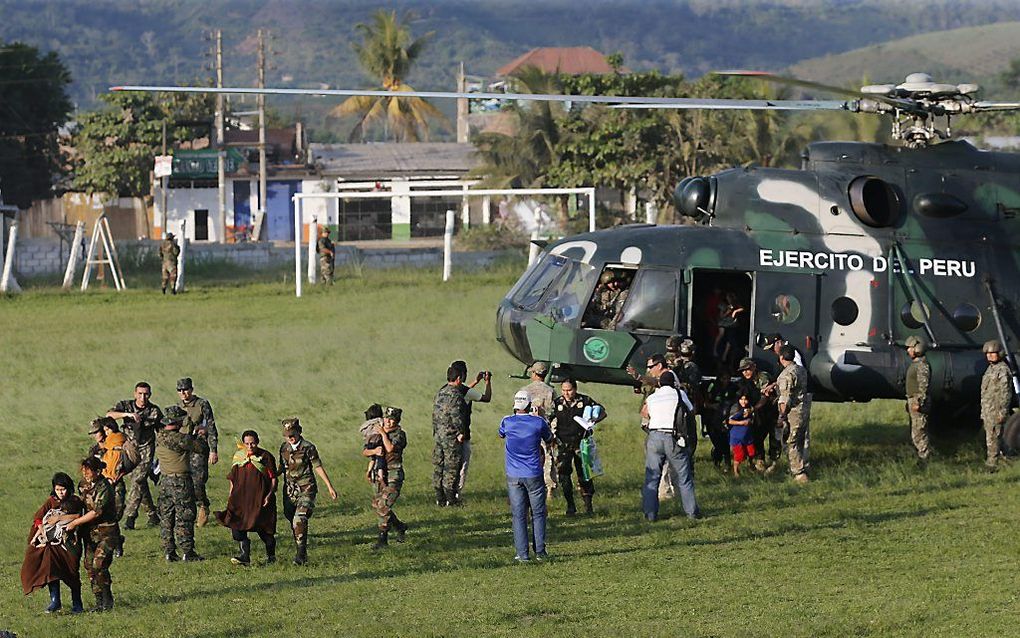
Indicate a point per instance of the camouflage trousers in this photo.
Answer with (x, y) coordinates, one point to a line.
(918, 430)
(298, 506)
(100, 544)
(797, 438)
(385, 496)
(169, 275)
(177, 513)
(993, 432)
(199, 463)
(137, 483)
(447, 456)
(119, 498)
(326, 269)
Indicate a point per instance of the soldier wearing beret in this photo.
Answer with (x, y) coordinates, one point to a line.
(176, 489)
(201, 424)
(386, 450)
(299, 463)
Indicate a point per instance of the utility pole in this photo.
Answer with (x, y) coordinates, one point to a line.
(164, 183)
(462, 107)
(262, 131)
(221, 151)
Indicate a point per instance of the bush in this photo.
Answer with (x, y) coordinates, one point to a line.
(492, 237)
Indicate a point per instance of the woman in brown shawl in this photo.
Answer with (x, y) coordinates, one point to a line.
(53, 553)
(251, 504)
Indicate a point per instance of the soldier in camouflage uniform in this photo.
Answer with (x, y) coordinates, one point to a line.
(387, 474)
(169, 251)
(201, 424)
(794, 410)
(758, 386)
(299, 463)
(688, 376)
(99, 530)
(324, 248)
(541, 395)
(141, 420)
(176, 489)
(996, 397)
(449, 427)
(918, 386)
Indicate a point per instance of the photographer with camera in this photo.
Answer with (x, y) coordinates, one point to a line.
(471, 394)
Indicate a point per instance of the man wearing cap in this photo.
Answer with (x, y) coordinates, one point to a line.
(918, 387)
(567, 408)
(202, 426)
(176, 491)
(324, 248)
(541, 395)
(996, 397)
(449, 429)
(794, 410)
(169, 251)
(759, 388)
(299, 463)
(141, 420)
(389, 476)
(775, 341)
(524, 433)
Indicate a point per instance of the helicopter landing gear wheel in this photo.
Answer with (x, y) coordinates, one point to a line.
(1011, 435)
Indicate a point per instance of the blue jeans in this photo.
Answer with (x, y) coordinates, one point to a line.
(525, 492)
(659, 448)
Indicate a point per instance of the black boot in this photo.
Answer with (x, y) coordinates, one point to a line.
(119, 551)
(382, 542)
(301, 557)
(399, 525)
(440, 497)
(271, 549)
(129, 522)
(587, 504)
(244, 557)
(76, 605)
(54, 605)
(452, 499)
(100, 594)
(164, 290)
(568, 496)
(107, 598)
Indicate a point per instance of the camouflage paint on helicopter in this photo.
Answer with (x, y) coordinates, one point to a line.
(866, 246)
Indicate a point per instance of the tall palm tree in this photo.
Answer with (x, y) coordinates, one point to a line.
(387, 53)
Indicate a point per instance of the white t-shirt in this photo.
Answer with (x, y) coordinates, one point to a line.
(662, 407)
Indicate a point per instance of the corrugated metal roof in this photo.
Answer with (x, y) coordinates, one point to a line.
(390, 159)
(565, 60)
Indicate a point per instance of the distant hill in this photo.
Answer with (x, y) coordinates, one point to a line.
(107, 42)
(969, 54)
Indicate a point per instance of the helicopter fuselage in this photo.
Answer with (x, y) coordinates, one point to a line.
(846, 258)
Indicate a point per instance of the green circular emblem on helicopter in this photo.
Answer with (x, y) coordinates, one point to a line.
(596, 349)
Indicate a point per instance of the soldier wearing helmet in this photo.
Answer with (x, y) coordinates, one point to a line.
(918, 387)
(613, 299)
(996, 396)
(795, 411)
(759, 387)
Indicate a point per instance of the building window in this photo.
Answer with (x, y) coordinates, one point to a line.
(201, 225)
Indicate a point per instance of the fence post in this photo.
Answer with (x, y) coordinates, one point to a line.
(313, 235)
(533, 247)
(5, 281)
(179, 284)
(72, 258)
(448, 244)
(297, 246)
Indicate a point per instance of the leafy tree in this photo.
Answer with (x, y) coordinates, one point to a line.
(115, 147)
(387, 53)
(33, 106)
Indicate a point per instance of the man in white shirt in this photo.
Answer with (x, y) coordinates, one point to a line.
(667, 442)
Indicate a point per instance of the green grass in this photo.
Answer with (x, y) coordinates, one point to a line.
(872, 547)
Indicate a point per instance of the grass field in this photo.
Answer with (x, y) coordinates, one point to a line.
(873, 546)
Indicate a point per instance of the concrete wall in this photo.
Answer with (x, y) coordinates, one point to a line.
(35, 257)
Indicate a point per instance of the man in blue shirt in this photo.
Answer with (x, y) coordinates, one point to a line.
(524, 433)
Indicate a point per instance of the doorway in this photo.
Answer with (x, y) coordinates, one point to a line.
(720, 318)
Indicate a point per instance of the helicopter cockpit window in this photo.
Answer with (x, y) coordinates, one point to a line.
(568, 293)
(914, 314)
(542, 275)
(785, 308)
(651, 304)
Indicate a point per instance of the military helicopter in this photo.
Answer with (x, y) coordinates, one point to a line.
(863, 247)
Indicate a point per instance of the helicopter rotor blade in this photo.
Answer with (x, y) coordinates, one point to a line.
(995, 106)
(613, 100)
(904, 105)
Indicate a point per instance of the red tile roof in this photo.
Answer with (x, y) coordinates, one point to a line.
(566, 60)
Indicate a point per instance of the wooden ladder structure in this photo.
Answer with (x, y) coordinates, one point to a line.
(102, 252)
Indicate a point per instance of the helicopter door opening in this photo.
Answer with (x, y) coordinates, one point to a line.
(605, 308)
(720, 318)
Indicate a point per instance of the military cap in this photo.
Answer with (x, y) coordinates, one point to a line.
(374, 411)
(687, 348)
(539, 368)
(747, 363)
(174, 415)
(185, 384)
(169, 235)
(607, 277)
(96, 424)
(771, 339)
(393, 413)
(291, 426)
(673, 343)
(992, 345)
